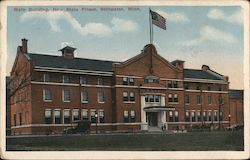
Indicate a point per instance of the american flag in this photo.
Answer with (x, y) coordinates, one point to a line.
(158, 20)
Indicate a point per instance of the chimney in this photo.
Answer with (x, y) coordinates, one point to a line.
(24, 45)
(179, 64)
(205, 67)
(68, 52)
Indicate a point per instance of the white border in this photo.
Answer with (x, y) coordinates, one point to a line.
(126, 154)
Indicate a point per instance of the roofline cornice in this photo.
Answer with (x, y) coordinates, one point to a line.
(74, 71)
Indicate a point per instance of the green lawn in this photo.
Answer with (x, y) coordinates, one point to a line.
(197, 141)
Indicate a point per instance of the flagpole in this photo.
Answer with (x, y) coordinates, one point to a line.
(150, 26)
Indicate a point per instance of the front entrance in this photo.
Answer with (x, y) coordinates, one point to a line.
(152, 118)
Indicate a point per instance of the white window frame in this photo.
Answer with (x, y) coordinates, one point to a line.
(98, 97)
(85, 111)
(64, 110)
(125, 114)
(54, 115)
(63, 95)
(64, 79)
(44, 95)
(44, 77)
(83, 98)
(78, 114)
(100, 81)
(85, 77)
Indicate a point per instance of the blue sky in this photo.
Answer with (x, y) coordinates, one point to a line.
(211, 35)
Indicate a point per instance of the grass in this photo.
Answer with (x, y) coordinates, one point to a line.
(193, 141)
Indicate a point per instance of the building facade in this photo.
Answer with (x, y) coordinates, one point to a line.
(236, 107)
(145, 92)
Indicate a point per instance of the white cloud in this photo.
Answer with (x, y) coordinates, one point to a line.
(174, 17)
(121, 25)
(236, 17)
(91, 28)
(212, 34)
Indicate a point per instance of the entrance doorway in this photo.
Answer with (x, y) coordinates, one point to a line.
(152, 118)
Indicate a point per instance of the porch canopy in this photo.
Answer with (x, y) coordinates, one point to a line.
(158, 108)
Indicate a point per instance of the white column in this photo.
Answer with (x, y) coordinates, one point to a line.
(163, 113)
(144, 125)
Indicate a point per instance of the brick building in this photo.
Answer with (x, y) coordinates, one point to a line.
(236, 107)
(144, 92)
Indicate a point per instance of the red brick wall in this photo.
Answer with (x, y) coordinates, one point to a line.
(236, 111)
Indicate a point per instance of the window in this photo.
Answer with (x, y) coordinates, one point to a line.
(171, 116)
(132, 96)
(76, 115)
(26, 118)
(132, 116)
(176, 98)
(151, 98)
(221, 100)
(170, 98)
(198, 116)
(193, 116)
(101, 116)
(146, 98)
(157, 98)
(186, 85)
(175, 84)
(100, 97)
(151, 79)
(14, 117)
(20, 118)
(169, 84)
(66, 79)
(221, 116)
(176, 116)
(66, 116)
(125, 115)
(131, 81)
(172, 84)
(198, 99)
(209, 99)
(66, 96)
(83, 80)
(84, 96)
(48, 116)
(93, 118)
(187, 116)
(47, 96)
(100, 81)
(215, 115)
(209, 88)
(209, 116)
(204, 116)
(125, 96)
(85, 116)
(198, 87)
(46, 77)
(125, 80)
(57, 114)
(187, 99)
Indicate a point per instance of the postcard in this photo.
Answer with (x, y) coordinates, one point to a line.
(124, 80)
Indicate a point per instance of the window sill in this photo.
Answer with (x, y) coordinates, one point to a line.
(85, 101)
(47, 100)
(101, 102)
(129, 102)
(66, 101)
(187, 104)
